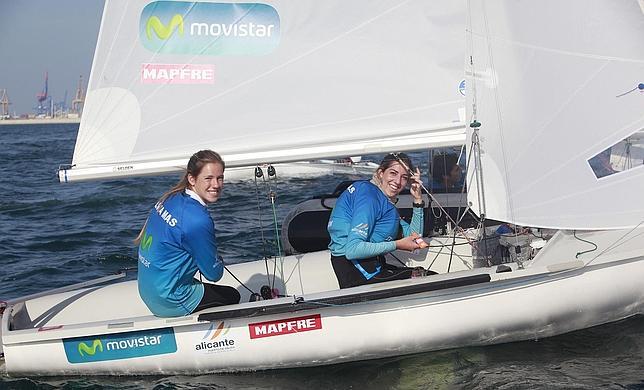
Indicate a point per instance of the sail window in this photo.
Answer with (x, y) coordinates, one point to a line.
(624, 155)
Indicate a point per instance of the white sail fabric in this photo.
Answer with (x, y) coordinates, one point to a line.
(271, 82)
(550, 81)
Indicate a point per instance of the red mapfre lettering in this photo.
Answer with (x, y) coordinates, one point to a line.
(285, 326)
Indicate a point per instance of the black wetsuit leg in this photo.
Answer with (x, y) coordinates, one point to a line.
(214, 295)
(349, 276)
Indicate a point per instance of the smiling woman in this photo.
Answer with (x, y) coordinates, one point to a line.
(178, 239)
(364, 225)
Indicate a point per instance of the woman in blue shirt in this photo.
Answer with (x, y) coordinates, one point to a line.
(178, 239)
(364, 224)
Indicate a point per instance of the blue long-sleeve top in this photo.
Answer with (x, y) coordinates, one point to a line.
(364, 223)
(178, 241)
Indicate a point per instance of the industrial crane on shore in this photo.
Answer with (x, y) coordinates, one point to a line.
(43, 97)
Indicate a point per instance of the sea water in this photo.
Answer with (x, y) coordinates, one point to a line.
(54, 234)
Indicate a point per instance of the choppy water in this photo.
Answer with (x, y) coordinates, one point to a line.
(53, 235)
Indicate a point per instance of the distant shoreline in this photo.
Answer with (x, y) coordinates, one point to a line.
(38, 121)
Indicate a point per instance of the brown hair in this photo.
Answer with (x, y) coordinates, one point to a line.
(195, 165)
(392, 158)
(389, 160)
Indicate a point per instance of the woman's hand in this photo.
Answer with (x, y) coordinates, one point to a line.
(411, 243)
(416, 187)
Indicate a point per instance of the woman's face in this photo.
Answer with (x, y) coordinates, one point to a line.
(209, 183)
(454, 175)
(393, 179)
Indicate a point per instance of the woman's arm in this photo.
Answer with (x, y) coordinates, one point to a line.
(363, 222)
(417, 223)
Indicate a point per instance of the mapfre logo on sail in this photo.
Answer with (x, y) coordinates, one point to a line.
(285, 326)
(218, 29)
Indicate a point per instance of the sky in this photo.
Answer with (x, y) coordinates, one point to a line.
(38, 36)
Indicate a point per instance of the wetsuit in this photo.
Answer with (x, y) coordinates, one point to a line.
(178, 241)
(363, 227)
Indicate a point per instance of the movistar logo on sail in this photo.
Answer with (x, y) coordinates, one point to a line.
(220, 29)
(162, 31)
(120, 346)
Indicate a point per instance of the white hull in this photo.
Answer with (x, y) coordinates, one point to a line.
(554, 294)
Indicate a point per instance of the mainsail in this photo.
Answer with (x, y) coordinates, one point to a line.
(554, 85)
(271, 82)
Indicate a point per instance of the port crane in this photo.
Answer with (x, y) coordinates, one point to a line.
(43, 96)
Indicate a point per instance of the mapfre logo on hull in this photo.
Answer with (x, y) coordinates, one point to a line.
(285, 326)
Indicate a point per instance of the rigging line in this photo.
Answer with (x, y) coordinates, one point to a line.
(615, 244)
(475, 148)
(409, 171)
(468, 208)
(499, 116)
(475, 152)
(239, 281)
(451, 254)
(463, 190)
(396, 257)
(273, 196)
(436, 257)
(258, 173)
(270, 172)
(574, 233)
(639, 86)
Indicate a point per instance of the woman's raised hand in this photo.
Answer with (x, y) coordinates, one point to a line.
(416, 187)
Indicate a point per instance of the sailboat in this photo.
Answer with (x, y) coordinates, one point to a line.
(573, 257)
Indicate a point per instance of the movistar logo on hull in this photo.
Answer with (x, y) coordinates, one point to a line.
(219, 29)
(120, 346)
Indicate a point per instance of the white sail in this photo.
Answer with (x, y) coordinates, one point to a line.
(271, 82)
(556, 83)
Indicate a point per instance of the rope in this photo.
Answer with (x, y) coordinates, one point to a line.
(260, 173)
(239, 281)
(272, 174)
(434, 200)
(574, 233)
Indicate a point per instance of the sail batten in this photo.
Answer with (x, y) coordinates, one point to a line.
(265, 79)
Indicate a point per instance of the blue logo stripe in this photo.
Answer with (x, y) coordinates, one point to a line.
(120, 345)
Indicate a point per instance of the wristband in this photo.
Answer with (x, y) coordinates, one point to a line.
(421, 204)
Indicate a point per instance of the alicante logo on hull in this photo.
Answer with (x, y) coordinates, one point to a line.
(216, 29)
(120, 346)
(285, 326)
(215, 339)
